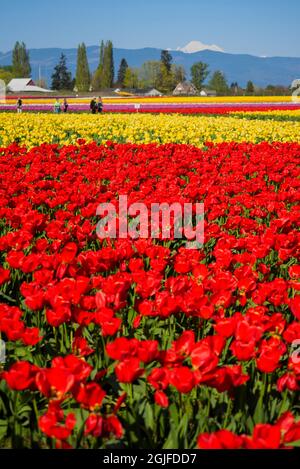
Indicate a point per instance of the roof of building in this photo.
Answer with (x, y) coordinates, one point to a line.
(37, 89)
(153, 92)
(25, 84)
(185, 87)
(206, 92)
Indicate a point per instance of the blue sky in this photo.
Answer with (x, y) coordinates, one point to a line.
(259, 27)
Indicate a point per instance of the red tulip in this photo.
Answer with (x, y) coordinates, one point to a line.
(128, 370)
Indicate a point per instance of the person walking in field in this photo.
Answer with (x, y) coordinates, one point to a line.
(93, 106)
(19, 105)
(99, 105)
(57, 107)
(65, 105)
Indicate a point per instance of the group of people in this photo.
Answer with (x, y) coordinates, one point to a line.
(96, 105)
(58, 108)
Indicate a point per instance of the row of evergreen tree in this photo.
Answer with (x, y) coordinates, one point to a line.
(161, 74)
(62, 79)
(165, 75)
(103, 77)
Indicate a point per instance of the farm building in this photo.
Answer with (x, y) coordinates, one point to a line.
(185, 88)
(25, 85)
(153, 92)
(206, 92)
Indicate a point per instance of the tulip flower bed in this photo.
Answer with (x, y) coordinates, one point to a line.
(143, 343)
(229, 100)
(31, 130)
(171, 108)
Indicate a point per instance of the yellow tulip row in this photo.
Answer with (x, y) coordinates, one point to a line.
(201, 99)
(33, 129)
(166, 100)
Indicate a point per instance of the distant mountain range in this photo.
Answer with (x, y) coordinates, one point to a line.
(237, 67)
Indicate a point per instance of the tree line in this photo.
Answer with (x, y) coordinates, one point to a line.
(20, 67)
(103, 76)
(161, 74)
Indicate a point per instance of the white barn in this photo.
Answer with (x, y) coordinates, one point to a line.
(25, 85)
(153, 92)
(206, 92)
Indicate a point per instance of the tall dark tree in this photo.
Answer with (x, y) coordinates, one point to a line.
(101, 58)
(61, 78)
(108, 66)
(20, 61)
(166, 59)
(199, 73)
(98, 74)
(122, 72)
(82, 71)
(250, 87)
(167, 77)
(219, 83)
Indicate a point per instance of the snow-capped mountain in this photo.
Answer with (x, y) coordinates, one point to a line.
(197, 46)
(237, 67)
